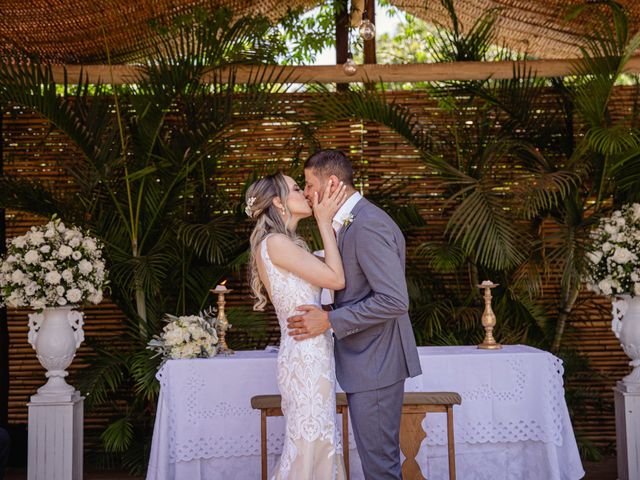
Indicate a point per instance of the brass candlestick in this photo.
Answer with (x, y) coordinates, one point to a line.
(222, 324)
(488, 318)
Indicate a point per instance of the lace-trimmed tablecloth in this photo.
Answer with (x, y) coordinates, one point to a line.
(512, 401)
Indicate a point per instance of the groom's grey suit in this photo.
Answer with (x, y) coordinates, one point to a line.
(375, 348)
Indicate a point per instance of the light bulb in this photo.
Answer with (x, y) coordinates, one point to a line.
(350, 66)
(367, 29)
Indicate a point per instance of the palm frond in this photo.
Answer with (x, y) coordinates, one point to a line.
(443, 257)
(117, 437)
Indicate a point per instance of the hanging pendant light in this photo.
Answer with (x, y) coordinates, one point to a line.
(350, 67)
(367, 29)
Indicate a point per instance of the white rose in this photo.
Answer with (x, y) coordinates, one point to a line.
(60, 290)
(622, 255)
(38, 303)
(18, 276)
(74, 242)
(610, 229)
(62, 301)
(49, 265)
(605, 286)
(89, 244)
(96, 297)
(65, 251)
(76, 255)
(595, 256)
(31, 288)
(635, 277)
(60, 227)
(74, 295)
(606, 246)
(53, 278)
(45, 249)
(85, 267)
(19, 242)
(50, 233)
(32, 257)
(636, 289)
(67, 275)
(636, 211)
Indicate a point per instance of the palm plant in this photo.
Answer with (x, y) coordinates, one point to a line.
(146, 182)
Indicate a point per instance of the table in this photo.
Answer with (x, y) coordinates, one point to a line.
(513, 422)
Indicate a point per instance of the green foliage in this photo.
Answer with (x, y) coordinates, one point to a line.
(147, 186)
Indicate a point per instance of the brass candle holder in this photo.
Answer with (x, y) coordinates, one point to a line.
(222, 324)
(488, 318)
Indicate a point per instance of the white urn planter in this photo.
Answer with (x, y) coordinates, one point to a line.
(626, 326)
(55, 334)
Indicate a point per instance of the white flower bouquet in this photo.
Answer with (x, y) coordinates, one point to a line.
(613, 267)
(185, 337)
(51, 266)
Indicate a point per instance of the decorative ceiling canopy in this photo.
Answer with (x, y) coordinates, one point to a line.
(76, 32)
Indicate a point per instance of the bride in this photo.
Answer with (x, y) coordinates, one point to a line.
(283, 267)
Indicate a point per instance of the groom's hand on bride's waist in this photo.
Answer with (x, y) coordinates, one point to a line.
(313, 322)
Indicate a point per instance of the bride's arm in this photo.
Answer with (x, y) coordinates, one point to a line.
(287, 255)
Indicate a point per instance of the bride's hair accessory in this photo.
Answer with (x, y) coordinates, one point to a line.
(247, 209)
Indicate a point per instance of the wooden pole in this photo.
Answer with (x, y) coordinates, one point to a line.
(370, 45)
(428, 72)
(4, 328)
(342, 36)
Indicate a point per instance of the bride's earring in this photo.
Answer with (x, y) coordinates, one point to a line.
(283, 211)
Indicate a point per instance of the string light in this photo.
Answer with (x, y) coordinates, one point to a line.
(350, 68)
(367, 29)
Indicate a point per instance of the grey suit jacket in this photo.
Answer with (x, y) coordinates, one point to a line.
(374, 342)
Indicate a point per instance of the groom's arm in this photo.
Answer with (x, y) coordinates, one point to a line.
(379, 258)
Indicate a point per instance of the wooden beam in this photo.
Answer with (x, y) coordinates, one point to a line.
(427, 72)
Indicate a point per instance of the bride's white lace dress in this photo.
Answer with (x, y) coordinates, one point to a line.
(306, 378)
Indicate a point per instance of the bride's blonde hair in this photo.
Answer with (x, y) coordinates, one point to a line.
(269, 219)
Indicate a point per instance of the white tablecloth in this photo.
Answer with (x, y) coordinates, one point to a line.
(513, 423)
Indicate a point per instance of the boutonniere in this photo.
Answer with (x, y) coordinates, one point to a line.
(348, 219)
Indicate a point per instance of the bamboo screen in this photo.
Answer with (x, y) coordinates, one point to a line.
(380, 157)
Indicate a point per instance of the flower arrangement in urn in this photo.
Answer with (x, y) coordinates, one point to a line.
(613, 269)
(613, 266)
(53, 269)
(185, 337)
(52, 266)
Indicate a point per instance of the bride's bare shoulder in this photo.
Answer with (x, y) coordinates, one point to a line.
(278, 241)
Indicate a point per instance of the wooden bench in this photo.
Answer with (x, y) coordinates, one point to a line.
(269, 406)
(415, 406)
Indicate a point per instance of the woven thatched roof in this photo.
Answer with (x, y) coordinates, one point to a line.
(73, 31)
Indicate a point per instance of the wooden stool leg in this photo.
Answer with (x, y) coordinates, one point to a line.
(345, 439)
(451, 443)
(263, 442)
(411, 436)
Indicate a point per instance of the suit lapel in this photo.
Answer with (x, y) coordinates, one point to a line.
(343, 231)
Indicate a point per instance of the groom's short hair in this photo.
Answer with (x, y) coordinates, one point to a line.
(329, 162)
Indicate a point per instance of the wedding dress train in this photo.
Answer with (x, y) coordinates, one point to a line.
(306, 378)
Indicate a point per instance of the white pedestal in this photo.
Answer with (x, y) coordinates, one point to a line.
(56, 437)
(627, 404)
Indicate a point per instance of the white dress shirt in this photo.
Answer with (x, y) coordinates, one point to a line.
(345, 210)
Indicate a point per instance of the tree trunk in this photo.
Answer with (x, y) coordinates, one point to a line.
(141, 305)
(570, 298)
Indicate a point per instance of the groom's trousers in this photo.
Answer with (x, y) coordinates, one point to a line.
(375, 419)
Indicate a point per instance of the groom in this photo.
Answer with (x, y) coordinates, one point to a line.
(375, 348)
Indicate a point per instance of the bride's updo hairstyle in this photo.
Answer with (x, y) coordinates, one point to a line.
(269, 219)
